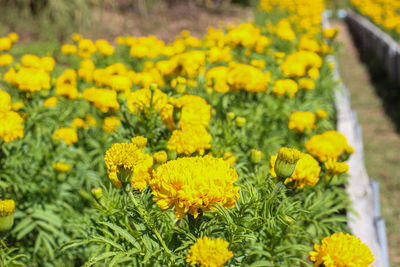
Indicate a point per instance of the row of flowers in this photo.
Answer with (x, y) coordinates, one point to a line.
(385, 14)
(194, 138)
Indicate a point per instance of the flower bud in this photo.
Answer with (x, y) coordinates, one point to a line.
(7, 208)
(160, 157)
(286, 162)
(240, 122)
(97, 192)
(230, 115)
(256, 155)
(124, 174)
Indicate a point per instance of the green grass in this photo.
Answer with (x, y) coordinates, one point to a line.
(376, 101)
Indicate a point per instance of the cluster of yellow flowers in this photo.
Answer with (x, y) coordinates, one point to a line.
(342, 249)
(10, 121)
(329, 145)
(382, 12)
(191, 184)
(6, 44)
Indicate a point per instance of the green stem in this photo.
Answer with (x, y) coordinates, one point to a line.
(144, 216)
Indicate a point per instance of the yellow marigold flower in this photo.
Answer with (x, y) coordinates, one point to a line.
(86, 48)
(90, 120)
(13, 36)
(11, 127)
(127, 163)
(47, 63)
(286, 162)
(68, 49)
(308, 44)
(17, 105)
(69, 135)
(139, 141)
(50, 102)
(321, 114)
(334, 168)
(285, 86)
(209, 253)
(139, 99)
(248, 78)
(306, 172)
(7, 208)
(329, 145)
(194, 183)
(216, 77)
(28, 79)
(313, 73)
(5, 44)
(341, 249)
(66, 84)
(76, 37)
(110, 124)
(306, 83)
(330, 33)
(6, 59)
(296, 64)
(5, 101)
(79, 123)
(189, 139)
(30, 61)
(104, 47)
(61, 167)
(103, 99)
(194, 110)
(301, 121)
(160, 157)
(285, 31)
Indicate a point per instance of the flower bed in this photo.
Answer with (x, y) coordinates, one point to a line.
(211, 151)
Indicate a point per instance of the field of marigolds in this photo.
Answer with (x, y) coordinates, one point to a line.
(211, 151)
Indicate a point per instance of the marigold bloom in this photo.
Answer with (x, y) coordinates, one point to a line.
(69, 135)
(306, 172)
(189, 139)
(104, 47)
(160, 157)
(127, 163)
(5, 101)
(11, 127)
(139, 141)
(17, 105)
(329, 145)
(13, 36)
(321, 114)
(66, 84)
(5, 43)
(209, 253)
(256, 155)
(50, 102)
(7, 208)
(103, 99)
(342, 249)
(286, 160)
(86, 48)
(6, 59)
(61, 167)
(110, 124)
(79, 123)
(334, 167)
(306, 83)
(194, 183)
(286, 86)
(68, 49)
(301, 121)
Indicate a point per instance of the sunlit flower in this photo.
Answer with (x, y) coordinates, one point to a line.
(193, 183)
(209, 253)
(341, 249)
(69, 135)
(7, 208)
